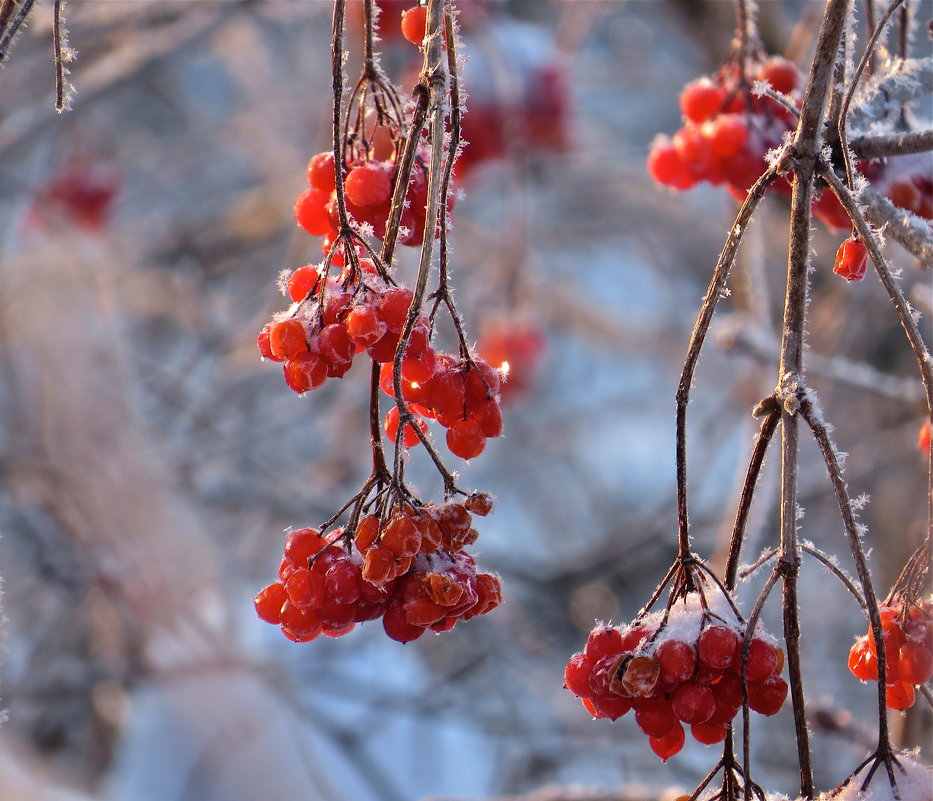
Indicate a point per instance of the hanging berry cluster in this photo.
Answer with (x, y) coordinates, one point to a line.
(410, 570)
(907, 634)
(729, 129)
(683, 666)
(397, 557)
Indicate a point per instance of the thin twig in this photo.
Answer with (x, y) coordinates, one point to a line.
(899, 143)
(913, 233)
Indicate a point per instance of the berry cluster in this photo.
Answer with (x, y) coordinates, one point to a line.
(81, 194)
(515, 348)
(368, 184)
(409, 569)
(685, 669)
(907, 634)
(727, 130)
(461, 395)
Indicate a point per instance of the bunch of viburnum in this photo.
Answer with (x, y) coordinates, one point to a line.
(410, 569)
(681, 666)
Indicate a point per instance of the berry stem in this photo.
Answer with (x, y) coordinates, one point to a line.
(700, 329)
(765, 434)
(820, 433)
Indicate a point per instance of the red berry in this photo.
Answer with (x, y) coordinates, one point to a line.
(762, 660)
(693, 703)
(287, 339)
(302, 544)
(640, 677)
(667, 168)
(401, 536)
(305, 372)
(863, 663)
(729, 134)
(302, 282)
(634, 637)
(393, 308)
(916, 663)
(603, 641)
(410, 438)
(670, 744)
(716, 647)
(851, 260)
(335, 345)
(368, 184)
(364, 326)
(899, 695)
(321, 172)
(767, 697)
(303, 623)
(678, 660)
(701, 99)
(577, 675)
(780, 73)
(414, 22)
(466, 439)
(612, 708)
(311, 212)
(709, 733)
(305, 588)
(265, 346)
(269, 602)
(655, 717)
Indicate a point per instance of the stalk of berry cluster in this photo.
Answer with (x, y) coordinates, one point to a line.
(804, 151)
(434, 76)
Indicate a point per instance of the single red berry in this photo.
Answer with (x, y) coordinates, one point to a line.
(466, 439)
(414, 22)
(343, 582)
(634, 637)
(368, 184)
(269, 602)
(670, 744)
(302, 544)
(305, 372)
(863, 663)
(393, 308)
(716, 647)
(303, 623)
(693, 703)
(729, 134)
(410, 437)
(577, 675)
(767, 697)
(655, 717)
(603, 641)
(666, 166)
(264, 344)
(401, 536)
(321, 172)
(311, 212)
(305, 588)
(701, 99)
(302, 282)
(335, 345)
(916, 663)
(420, 370)
(287, 339)
(612, 708)
(678, 660)
(762, 660)
(709, 733)
(851, 260)
(899, 695)
(923, 439)
(364, 326)
(780, 73)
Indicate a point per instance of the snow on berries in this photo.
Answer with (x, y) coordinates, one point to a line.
(675, 670)
(907, 636)
(409, 568)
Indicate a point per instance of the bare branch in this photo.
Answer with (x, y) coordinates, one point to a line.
(900, 143)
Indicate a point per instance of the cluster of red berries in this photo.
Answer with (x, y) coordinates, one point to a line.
(515, 348)
(320, 334)
(368, 185)
(907, 633)
(727, 131)
(462, 395)
(685, 671)
(410, 570)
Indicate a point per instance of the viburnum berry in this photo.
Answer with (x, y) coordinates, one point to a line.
(269, 601)
(303, 281)
(851, 260)
(678, 660)
(410, 437)
(717, 646)
(413, 24)
(666, 166)
(321, 172)
(762, 660)
(466, 439)
(287, 339)
(709, 733)
(923, 438)
(693, 703)
(479, 503)
(368, 184)
(899, 695)
(701, 99)
(311, 212)
(780, 73)
(655, 717)
(669, 744)
(767, 697)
